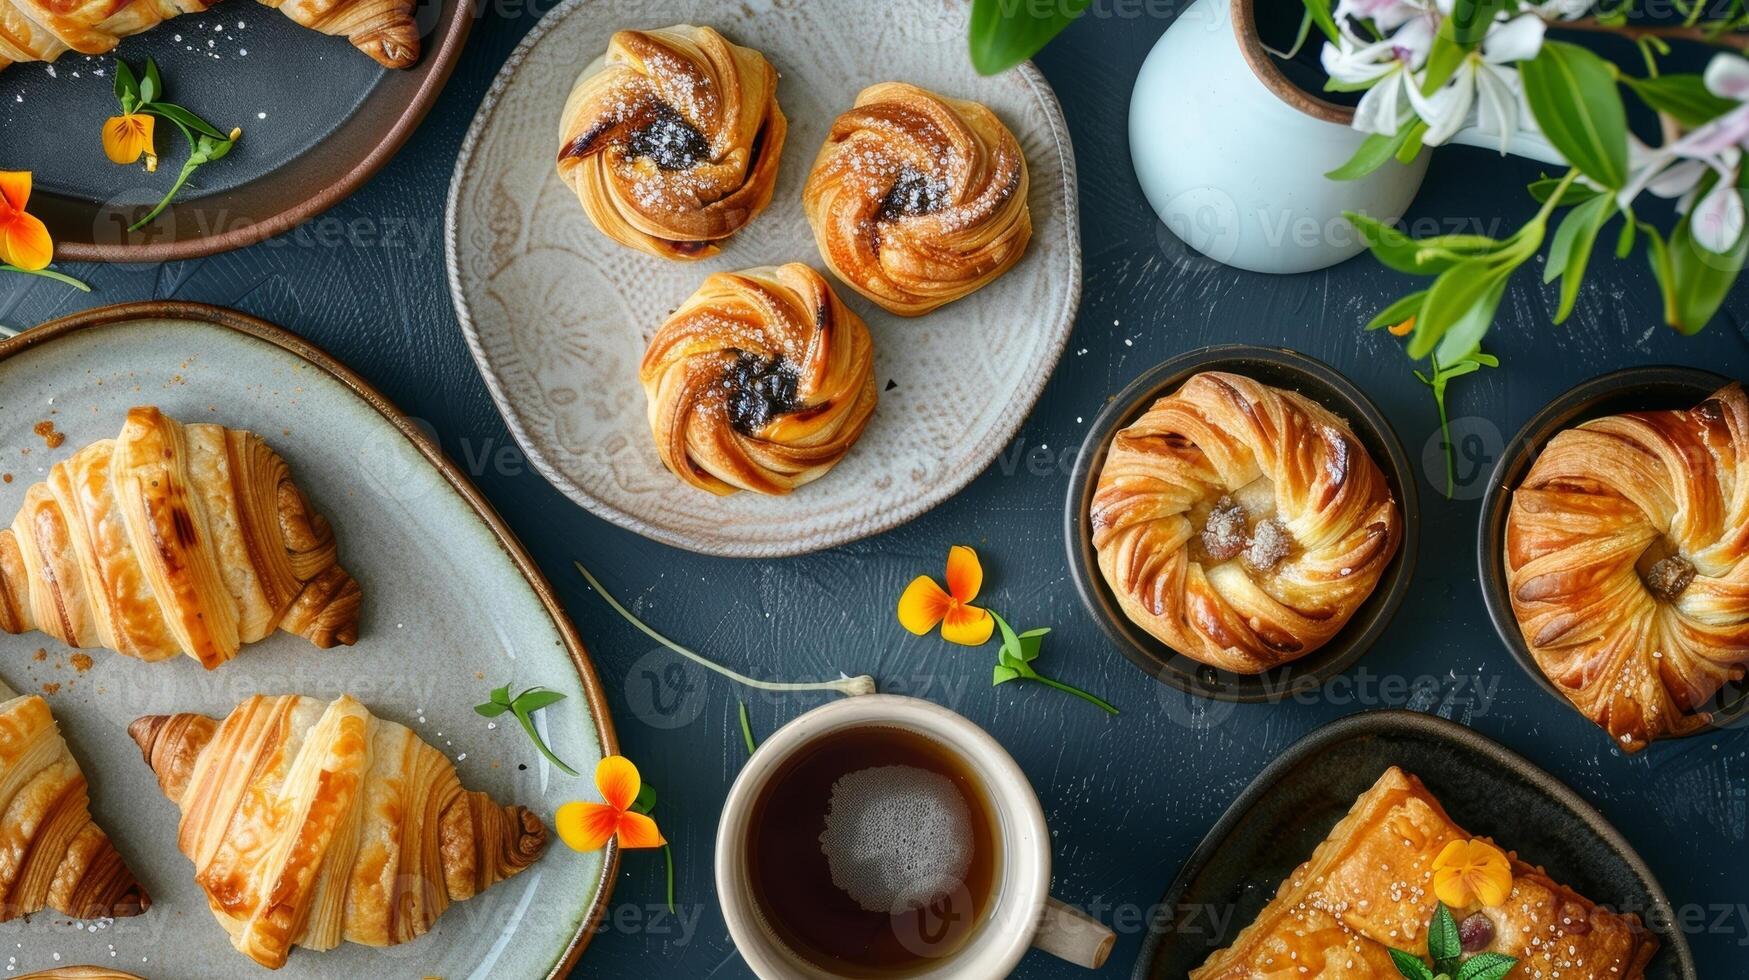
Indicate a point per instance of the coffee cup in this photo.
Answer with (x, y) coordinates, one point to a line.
(1014, 911)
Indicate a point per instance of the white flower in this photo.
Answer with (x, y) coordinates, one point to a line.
(1562, 9)
(1487, 74)
(1677, 168)
(1387, 15)
(1388, 65)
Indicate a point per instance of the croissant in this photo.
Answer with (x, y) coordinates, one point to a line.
(52, 854)
(917, 199)
(1240, 524)
(1625, 548)
(170, 539)
(43, 30)
(1366, 888)
(672, 139)
(312, 823)
(762, 380)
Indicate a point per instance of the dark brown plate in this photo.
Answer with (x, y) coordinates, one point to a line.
(318, 119)
(1283, 369)
(1488, 789)
(1631, 390)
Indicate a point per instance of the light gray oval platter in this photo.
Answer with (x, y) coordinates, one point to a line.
(558, 315)
(452, 608)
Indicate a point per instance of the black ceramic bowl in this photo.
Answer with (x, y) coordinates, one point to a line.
(1290, 807)
(1283, 369)
(1632, 390)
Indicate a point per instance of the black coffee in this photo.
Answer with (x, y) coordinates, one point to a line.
(873, 852)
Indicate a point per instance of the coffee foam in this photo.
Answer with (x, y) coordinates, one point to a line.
(897, 837)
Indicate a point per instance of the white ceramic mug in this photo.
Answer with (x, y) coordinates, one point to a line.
(1021, 914)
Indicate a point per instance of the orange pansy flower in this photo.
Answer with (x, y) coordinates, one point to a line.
(24, 241)
(589, 826)
(1472, 872)
(925, 603)
(127, 136)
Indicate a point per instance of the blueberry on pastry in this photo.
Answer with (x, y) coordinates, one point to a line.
(671, 140)
(917, 199)
(762, 380)
(1241, 524)
(173, 539)
(1625, 562)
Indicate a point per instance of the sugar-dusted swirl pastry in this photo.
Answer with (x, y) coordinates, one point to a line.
(1241, 524)
(52, 854)
(311, 823)
(171, 539)
(762, 380)
(671, 140)
(1625, 561)
(917, 199)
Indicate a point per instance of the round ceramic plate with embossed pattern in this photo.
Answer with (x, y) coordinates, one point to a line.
(558, 315)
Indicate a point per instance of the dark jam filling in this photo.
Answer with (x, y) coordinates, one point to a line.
(760, 389)
(914, 192)
(669, 141)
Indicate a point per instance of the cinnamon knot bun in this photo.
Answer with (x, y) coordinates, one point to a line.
(917, 199)
(671, 140)
(1625, 548)
(762, 380)
(1240, 524)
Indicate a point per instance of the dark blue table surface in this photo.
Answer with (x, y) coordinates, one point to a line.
(1127, 798)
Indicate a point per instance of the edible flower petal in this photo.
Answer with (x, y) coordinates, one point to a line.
(925, 603)
(127, 136)
(24, 239)
(1472, 872)
(588, 826)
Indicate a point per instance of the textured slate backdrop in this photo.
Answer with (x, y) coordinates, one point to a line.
(1127, 799)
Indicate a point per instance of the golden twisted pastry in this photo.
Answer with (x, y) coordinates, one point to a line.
(762, 380)
(312, 823)
(1625, 561)
(43, 30)
(172, 539)
(917, 199)
(52, 854)
(1240, 524)
(672, 139)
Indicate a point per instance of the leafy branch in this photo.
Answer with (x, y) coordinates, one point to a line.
(1014, 663)
(523, 706)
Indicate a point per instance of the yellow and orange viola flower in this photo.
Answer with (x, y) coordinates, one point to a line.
(925, 603)
(24, 240)
(587, 826)
(1472, 872)
(127, 136)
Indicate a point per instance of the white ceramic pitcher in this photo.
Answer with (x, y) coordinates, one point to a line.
(1232, 154)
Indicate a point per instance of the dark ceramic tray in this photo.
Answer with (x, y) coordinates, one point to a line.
(318, 118)
(1292, 805)
(1283, 369)
(1631, 390)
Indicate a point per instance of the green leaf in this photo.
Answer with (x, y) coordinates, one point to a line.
(1374, 152)
(1399, 311)
(1470, 20)
(533, 734)
(1005, 33)
(1570, 252)
(1575, 193)
(1442, 936)
(747, 730)
(1410, 965)
(536, 698)
(1685, 97)
(151, 86)
(1697, 280)
(646, 800)
(1411, 147)
(127, 88)
(1573, 96)
(1030, 643)
(1457, 292)
(1624, 240)
(491, 709)
(177, 114)
(1010, 642)
(1486, 966)
(1424, 257)
(1443, 59)
(1462, 338)
(220, 149)
(1319, 11)
(501, 695)
(1002, 675)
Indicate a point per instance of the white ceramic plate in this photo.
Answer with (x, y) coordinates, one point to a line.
(558, 315)
(452, 608)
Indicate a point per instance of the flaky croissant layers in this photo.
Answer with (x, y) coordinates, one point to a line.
(1626, 549)
(313, 823)
(1240, 524)
(171, 539)
(671, 140)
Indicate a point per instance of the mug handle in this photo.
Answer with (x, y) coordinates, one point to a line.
(1069, 934)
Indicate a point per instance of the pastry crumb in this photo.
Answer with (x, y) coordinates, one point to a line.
(1224, 534)
(1670, 577)
(51, 437)
(1270, 543)
(82, 662)
(52, 687)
